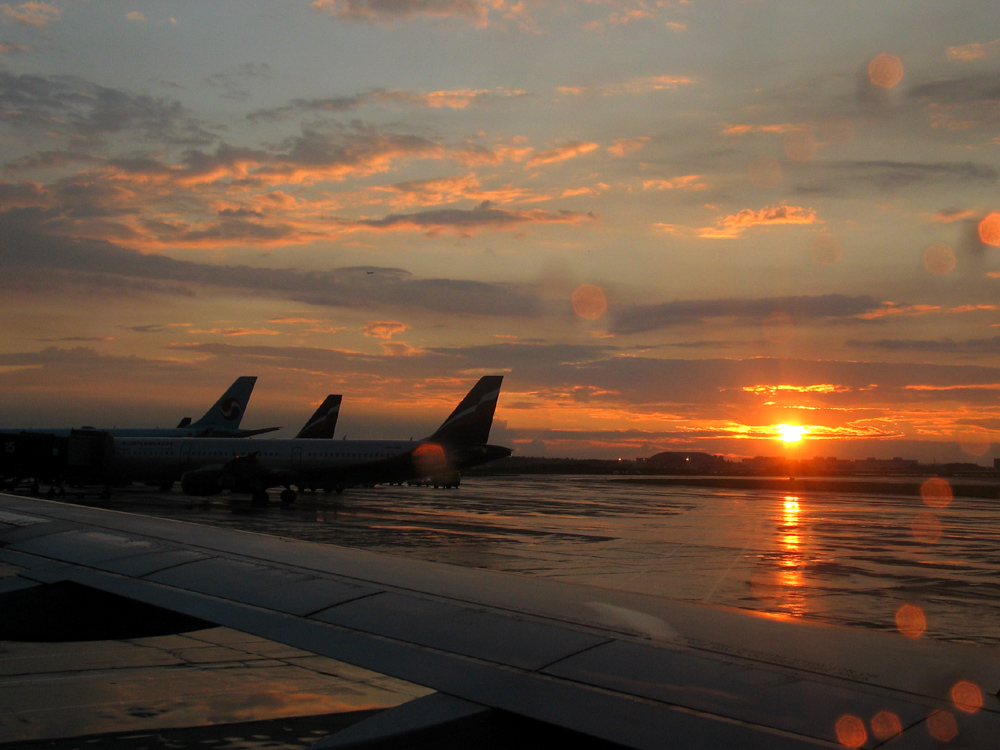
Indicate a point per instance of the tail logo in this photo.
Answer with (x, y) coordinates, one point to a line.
(231, 409)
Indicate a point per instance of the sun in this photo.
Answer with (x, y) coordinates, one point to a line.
(790, 433)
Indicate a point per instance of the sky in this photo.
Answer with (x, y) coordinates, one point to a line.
(670, 224)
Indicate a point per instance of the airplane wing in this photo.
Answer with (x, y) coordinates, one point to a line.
(636, 670)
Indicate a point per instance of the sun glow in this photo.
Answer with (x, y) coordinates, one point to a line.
(790, 433)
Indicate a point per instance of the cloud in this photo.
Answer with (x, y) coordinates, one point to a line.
(10, 48)
(79, 109)
(990, 346)
(887, 175)
(626, 146)
(443, 99)
(780, 128)
(384, 329)
(952, 214)
(467, 221)
(562, 153)
(385, 11)
(641, 318)
(447, 190)
(684, 182)
(31, 248)
(136, 16)
(637, 86)
(978, 87)
(34, 14)
(736, 224)
(974, 51)
(234, 85)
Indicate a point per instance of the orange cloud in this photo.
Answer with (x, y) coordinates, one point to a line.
(384, 329)
(34, 14)
(891, 308)
(626, 146)
(562, 153)
(686, 182)
(744, 129)
(647, 85)
(735, 224)
(951, 215)
(466, 222)
(447, 190)
(236, 331)
(974, 51)
(457, 99)
(771, 390)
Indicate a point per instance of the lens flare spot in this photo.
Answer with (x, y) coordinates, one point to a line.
(989, 229)
(942, 726)
(885, 70)
(910, 621)
(765, 172)
(939, 259)
(886, 725)
(851, 731)
(800, 144)
(589, 302)
(974, 442)
(826, 249)
(429, 459)
(967, 696)
(790, 433)
(936, 492)
(926, 528)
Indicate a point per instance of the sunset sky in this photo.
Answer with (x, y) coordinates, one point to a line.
(672, 225)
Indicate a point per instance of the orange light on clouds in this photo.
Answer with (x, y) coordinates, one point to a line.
(967, 696)
(790, 433)
(939, 259)
(910, 621)
(851, 731)
(936, 492)
(589, 302)
(885, 71)
(989, 229)
(886, 725)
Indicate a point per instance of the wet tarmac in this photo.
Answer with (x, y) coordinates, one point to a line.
(847, 558)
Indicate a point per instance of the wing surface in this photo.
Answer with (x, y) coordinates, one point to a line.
(641, 671)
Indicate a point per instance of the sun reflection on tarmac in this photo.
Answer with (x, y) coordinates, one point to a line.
(782, 586)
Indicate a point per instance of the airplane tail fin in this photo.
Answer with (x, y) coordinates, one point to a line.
(324, 421)
(227, 413)
(470, 423)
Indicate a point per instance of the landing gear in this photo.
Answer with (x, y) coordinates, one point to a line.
(258, 499)
(288, 496)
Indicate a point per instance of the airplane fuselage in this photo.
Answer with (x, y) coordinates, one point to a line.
(270, 463)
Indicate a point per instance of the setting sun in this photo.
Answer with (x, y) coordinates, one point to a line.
(790, 433)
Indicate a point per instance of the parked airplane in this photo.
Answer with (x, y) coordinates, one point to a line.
(322, 424)
(222, 420)
(207, 467)
(585, 665)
